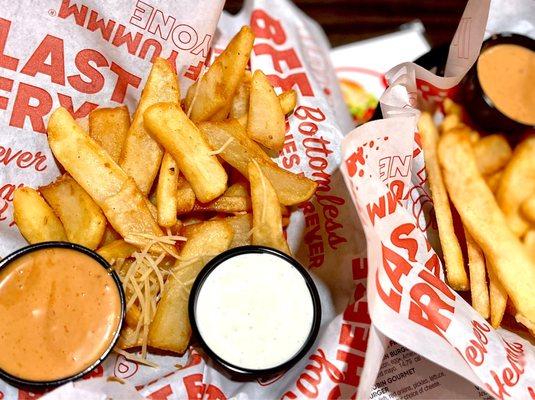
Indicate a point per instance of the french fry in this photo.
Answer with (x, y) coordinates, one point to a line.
(528, 208)
(109, 236)
(132, 316)
(498, 298)
(235, 199)
(91, 166)
(449, 122)
(170, 328)
(240, 150)
(34, 218)
(170, 126)
(166, 192)
(109, 127)
(288, 100)
(478, 277)
(493, 181)
(529, 243)
(161, 86)
(452, 108)
(241, 226)
(265, 123)
(486, 222)
(517, 184)
(492, 153)
(240, 102)
(82, 219)
(129, 339)
(267, 219)
(116, 250)
(453, 257)
(185, 196)
(220, 82)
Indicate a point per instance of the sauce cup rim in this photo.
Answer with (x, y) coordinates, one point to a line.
(316, 306)
(32, 384)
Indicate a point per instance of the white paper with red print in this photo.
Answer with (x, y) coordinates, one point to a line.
(84, 53)
(384, 170)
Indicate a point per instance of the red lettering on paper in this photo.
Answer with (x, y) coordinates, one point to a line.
(6, 61)
(163, 393)
(51, 47)
(22, 108)
(309, 380)
(95, 81)
(124, 79)
(266, 27)
(196, 389)
(79, 14)
(66, 102)
(509, 376)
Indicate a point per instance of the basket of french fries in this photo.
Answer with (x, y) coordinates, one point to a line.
(156, 152)
(472, 160)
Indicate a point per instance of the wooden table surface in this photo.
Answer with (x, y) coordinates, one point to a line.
(347, 21)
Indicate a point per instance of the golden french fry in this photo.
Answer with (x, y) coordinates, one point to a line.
(116, 250)
(486, 223)
(91, 166)
(170, 328)
(235, 199)
(129, 339)
(109, 236)
(529, 243)
(241, 226)
(267, 219)
(82, 219)
(528, 208)
(34, 218)
(449, 122)
(83, 122)
(478, 277)
(166, 192)
(517, 184)
(182, 139)
(222, 114)
(452, 108)
(498, 298)
(238, 150)
(265, 123)
(109, 127)
(220, 82)
(492, 153)
(141, 155)
(240, 102)
(453, 257)
(185, 196)
(493, 181)
(288, 100)
(132, 316)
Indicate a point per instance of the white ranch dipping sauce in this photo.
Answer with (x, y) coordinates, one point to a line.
(254, 311)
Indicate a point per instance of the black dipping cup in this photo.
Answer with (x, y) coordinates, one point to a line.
(234, 370)
(478, 105)
(43, 385)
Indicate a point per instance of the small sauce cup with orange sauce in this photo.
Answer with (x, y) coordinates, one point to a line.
(499, 90)
(61, 311)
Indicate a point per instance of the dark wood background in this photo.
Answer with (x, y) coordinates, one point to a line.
(347, 21)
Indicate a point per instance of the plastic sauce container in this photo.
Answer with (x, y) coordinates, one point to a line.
(61, 311)
(255, 310)
(498, 89)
